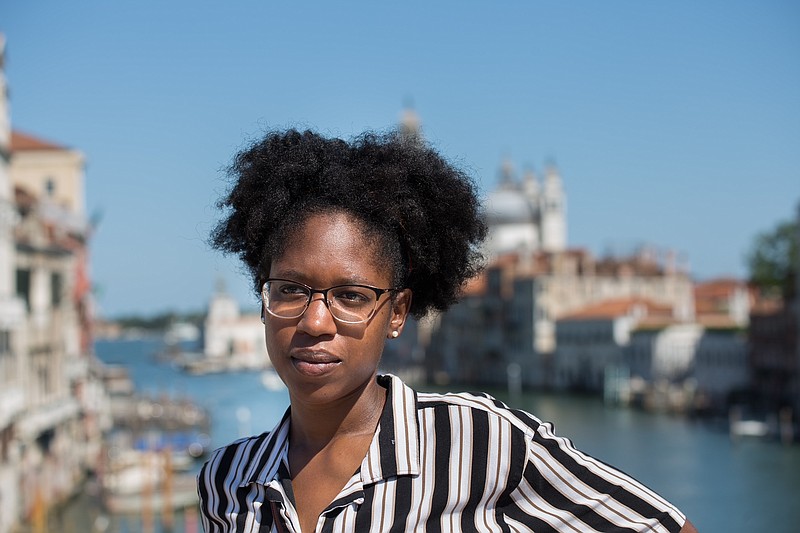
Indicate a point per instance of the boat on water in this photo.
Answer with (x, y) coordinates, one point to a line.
(744, 423)
(152, 451)
(749, 428)
(137, 481)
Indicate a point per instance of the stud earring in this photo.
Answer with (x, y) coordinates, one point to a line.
(395, 334)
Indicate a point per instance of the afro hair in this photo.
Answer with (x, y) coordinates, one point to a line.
(422, 212)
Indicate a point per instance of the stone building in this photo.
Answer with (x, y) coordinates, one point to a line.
(59, 433)
(774, 347)
(721, 368)
(692, 361)
(526, 215)
(509, 316)
(232, 339)
(52, 402)
(596, 337)
(12, 318)
(773, 355)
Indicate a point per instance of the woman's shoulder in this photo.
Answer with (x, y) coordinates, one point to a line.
(478, 405)
(482, 404)
(236, 447)
(239, 456)
(247, 450)
(242, 442)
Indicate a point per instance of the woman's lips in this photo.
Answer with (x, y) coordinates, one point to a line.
(314, 363)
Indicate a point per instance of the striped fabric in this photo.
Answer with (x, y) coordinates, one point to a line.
(438, 462)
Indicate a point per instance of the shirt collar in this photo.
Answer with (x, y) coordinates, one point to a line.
(394, 450)
(271, 452)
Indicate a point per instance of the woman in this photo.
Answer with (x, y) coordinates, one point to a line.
(343, 242)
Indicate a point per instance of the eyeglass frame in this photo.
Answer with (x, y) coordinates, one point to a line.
(324, 292)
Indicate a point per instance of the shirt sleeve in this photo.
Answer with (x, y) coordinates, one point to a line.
(563, 489)
(210, 493)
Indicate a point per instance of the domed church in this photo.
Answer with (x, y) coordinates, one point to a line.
(526, 215)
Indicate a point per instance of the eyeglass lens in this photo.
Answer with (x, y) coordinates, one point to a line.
(349, 303)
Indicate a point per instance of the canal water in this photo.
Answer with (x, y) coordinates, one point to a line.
(722, 485)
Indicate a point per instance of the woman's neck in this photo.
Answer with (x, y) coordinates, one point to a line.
(314, 426)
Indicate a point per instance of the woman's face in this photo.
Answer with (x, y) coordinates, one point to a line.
(320, 359)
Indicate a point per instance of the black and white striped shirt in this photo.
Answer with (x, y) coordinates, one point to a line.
(438, 462)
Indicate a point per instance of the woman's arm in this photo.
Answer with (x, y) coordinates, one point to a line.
(576, 490)
(688, 527)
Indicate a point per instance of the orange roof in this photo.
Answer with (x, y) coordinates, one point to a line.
(505, 260)
(475, 286)
(713, 296)
(21, 142)
(618, 307)
(720, 287)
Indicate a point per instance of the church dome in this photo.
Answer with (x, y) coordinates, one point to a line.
(508, 206)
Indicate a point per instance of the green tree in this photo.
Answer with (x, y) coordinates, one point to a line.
(774, 260)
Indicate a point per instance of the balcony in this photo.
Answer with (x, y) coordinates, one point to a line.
(46, 417)
(12, 402)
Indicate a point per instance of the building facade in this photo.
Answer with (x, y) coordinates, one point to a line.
(596, 338)
(12, 317)
(564, 317)
(52, 402)
(511, 316)
(774, 347)
(721, 368)
(59, 434)
(526, 215)
(232, 340)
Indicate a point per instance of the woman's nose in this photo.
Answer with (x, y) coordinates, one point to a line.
(317, 320)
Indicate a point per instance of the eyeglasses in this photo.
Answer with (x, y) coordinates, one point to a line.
(350, 304)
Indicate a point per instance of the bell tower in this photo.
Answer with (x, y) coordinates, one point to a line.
(553, 209)
(410, 124)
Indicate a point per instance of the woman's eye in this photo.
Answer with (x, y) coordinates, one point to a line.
(293, 290)
(352, 297)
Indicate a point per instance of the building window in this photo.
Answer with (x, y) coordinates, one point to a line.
(44, 377)
(50, 187)
(56, 288)
(24, 286)
(8, 369)
(6, 435)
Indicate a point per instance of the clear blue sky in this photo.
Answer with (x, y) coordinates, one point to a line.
(673, 123)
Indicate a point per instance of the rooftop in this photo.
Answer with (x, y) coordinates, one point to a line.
(619, 307)
(22, 142)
